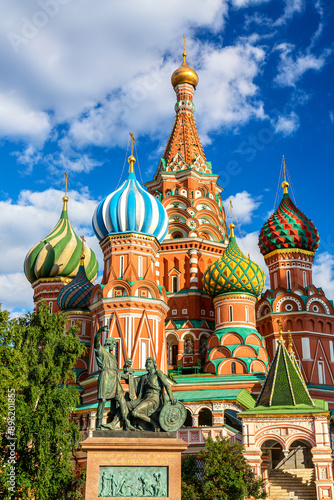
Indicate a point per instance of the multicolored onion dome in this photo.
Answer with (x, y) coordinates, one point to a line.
(233, 272)
(184, 74)
(58, 255)
(76, 294)
(130, 209)
(288, 227)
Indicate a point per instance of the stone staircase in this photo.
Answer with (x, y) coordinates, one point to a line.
(299, 481)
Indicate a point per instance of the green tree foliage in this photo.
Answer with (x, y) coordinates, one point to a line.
(220, 473)
(36, 370)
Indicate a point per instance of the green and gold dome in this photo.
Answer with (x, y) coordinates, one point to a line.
(58, 255)
(233, 272)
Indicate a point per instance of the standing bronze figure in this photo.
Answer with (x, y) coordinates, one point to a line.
(109, 384)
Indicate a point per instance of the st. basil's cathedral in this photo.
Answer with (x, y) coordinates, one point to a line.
(255, 366)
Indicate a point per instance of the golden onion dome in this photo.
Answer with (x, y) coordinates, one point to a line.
(184, 74)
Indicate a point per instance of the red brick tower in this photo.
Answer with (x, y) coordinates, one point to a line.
(129, 224)
(288, 241)
(187, 188)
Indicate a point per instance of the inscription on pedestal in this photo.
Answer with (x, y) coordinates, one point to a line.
(143, 482)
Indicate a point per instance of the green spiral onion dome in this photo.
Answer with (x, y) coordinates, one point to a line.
(288, 227)
(58, 255)
(233, 272)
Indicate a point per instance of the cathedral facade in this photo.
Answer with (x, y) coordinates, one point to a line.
(176, 286)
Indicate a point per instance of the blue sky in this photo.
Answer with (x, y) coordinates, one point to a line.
(77, 76)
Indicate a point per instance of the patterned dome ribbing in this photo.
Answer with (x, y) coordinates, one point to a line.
(76, 295)
(288, 227)
(130, 209)
(58, 255)
(233, 272)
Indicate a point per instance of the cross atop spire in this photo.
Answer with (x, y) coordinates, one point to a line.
(65, 197)
(82, 256)
(231, 226)
(285, 183)
(131, 158)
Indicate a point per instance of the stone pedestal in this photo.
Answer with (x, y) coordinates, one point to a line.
(132, 465)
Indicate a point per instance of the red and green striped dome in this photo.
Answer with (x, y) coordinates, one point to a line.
(288, 227)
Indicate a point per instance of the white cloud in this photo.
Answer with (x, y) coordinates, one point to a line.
(291, 8)
(18, 119)
(331, 116)
(239, 4)
(244, 206)
(323, 273)
(16, 292)
(229, 73)
(291, 68)
(25, 223)
(64, 61)
(287, 124)
(33, 216)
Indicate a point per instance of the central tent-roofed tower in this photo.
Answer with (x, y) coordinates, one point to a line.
(189, 191)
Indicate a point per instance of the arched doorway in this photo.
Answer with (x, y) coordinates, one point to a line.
(273, 451)
(299, 456)
(172, 350)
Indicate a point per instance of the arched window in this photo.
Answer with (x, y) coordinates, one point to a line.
(188, 345)
(230, 313)
(246, 314)
(275, 280)
(233, 368)
(174, 284)
(288, 280)
(50, 307)
(205, 417)
(121, 266)
(140, 266)
(218, 315)
(304, 279)
(189, 421)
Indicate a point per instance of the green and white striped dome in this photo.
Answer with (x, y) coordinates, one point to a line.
(58, 255)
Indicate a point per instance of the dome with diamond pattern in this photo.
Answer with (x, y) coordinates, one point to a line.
(233, 273)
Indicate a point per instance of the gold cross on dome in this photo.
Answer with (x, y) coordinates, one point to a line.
(132, 141)
(66, 180)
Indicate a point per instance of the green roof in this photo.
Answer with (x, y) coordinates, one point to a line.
(320, 406)
(241, 396)
(284, 385)
(210, 378)
(243, 332)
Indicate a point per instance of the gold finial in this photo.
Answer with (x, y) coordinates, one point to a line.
(184, 74)
(131, 158)
(231, 226)
(280, 331)
(65, 197)
(184, 54)
(290, 343)
(82, 255)
(285, 183)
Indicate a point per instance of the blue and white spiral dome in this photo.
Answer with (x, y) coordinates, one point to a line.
(130, 209)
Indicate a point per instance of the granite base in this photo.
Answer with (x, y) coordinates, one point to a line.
(146, 463)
